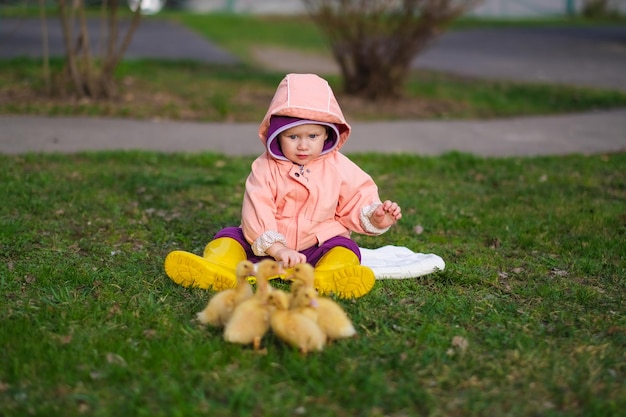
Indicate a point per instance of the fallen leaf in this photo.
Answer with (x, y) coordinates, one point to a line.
(559, 272)
(149, 333)
(115, 359)
(96, 375)
(83, 407)
(114, 310)
(460, 343)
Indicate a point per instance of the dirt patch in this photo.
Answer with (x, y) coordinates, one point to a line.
(132, 102)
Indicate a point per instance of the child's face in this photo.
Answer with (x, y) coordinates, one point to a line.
(302, 144)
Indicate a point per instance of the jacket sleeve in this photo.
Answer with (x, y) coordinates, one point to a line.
(258, 213)
(358, 199)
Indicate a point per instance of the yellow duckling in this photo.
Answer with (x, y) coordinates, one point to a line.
(302, 276)
(292, 327)
(221, 306)
(251, 319)
(331, 318)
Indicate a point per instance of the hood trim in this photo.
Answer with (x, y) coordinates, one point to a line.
(273, 147)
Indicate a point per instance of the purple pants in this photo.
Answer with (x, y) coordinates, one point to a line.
(313, 254)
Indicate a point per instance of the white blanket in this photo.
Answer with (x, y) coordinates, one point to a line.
(398, 262)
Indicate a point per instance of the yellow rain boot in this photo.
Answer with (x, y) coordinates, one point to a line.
(215, 270)
(208, 250)
(340, 272)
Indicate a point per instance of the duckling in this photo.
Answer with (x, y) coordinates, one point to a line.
(294, 328)
(251, 319)
(302, 276)
(221, 306)
(331, 318)
(304, 301)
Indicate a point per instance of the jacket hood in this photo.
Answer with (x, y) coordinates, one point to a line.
(302, 99)
(279, 124)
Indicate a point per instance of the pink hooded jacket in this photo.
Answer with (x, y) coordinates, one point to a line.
(302, 206)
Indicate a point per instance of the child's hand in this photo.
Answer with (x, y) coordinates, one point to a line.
(387, 214)
(289, 257)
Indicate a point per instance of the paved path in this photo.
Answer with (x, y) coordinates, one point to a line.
(584, 56)
(579, 133)
(21, 37)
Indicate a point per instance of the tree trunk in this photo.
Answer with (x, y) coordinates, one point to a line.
(44, 44)
(70, 55)
(87, 64)
(91, 77)
(114, 54)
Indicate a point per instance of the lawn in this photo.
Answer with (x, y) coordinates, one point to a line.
(527, 319)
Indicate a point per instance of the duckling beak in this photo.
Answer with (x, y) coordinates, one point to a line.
(314, 303)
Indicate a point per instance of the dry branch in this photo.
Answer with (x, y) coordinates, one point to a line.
(375, 41)
(93, 78)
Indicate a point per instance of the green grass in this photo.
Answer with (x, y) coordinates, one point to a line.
(240, 32)
(534, 282)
